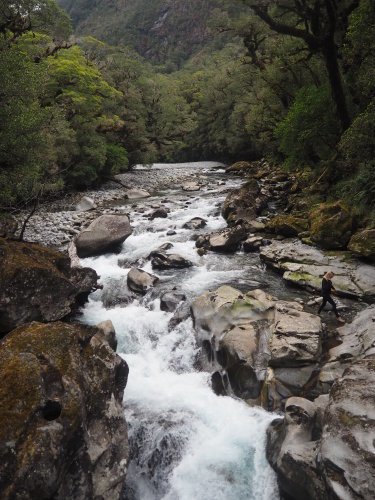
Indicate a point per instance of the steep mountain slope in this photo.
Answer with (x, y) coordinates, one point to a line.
(160, 30)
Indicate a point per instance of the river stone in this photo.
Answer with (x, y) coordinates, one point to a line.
(191, 186)
(116, 293)
(252, 243)
(85, 204)
(296, 339)
(63, 433)
(238, 345)
(362, 243)
(103, 234)
(296, 378)
(159, 213)
(38, 283)
(182, 313)
(134, 194)
(227, 240)
(170, 300)
(195, 223)
(139, 281)
(165, 261)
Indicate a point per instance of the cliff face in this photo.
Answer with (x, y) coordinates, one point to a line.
(160, 30)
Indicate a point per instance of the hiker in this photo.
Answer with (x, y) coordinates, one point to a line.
(327, 288)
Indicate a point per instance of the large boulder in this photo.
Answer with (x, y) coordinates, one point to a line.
(331, 225)
(362, 243)
(243, 204)
(287, 225)
(38, 284)
(163, 261)
(62, 428)
(103, 234)
(139, 281)
(226, 240)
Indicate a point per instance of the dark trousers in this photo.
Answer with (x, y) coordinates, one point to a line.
(329, 299)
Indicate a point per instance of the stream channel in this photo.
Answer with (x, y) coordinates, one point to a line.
(186, 442)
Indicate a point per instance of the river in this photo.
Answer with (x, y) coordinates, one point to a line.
(186, 442)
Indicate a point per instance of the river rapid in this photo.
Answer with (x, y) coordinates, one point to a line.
(186, 442)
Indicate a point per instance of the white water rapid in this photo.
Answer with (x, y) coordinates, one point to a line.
(186, 442)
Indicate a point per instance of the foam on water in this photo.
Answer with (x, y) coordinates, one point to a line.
(187, 443)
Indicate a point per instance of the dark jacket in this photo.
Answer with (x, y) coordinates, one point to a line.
(326, 287)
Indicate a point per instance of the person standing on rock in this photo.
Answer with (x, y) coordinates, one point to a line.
(327, 288)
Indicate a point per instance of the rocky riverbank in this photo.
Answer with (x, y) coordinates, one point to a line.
(271, 351)
(275, 354)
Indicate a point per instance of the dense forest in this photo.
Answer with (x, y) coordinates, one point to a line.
(88, 91)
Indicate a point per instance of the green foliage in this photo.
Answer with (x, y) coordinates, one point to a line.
(310, 130)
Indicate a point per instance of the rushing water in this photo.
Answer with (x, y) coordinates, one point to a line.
(186, 442)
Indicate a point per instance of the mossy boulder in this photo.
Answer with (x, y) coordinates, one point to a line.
(38, 284)
(331, 225)
(243, 204)
(362, 243)
(287, 225)
(239, 166)
(62, 427)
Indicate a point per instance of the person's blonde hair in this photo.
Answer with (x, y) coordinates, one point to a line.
(328, 275)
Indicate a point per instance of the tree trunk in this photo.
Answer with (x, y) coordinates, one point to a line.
(330, 58)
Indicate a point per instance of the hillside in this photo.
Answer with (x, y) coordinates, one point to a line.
(161, 30)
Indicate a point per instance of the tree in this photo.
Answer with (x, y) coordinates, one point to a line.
(320, 24)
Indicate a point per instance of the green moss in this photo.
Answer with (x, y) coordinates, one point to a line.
(349, 420)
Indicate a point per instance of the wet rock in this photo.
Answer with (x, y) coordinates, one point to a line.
(287, 225)
(63, 432)
(252, 243)
(195, 223)
(171, 232)
(103, 234)
(362, 243)
(170, 300)
(117, 293)
(163, 248)
(165, 261)
(133, 194)
(227, 240)
(182, 313)
(139, 281)
(85, 204)
(38, 283)
(159, 213)
(331, 225)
